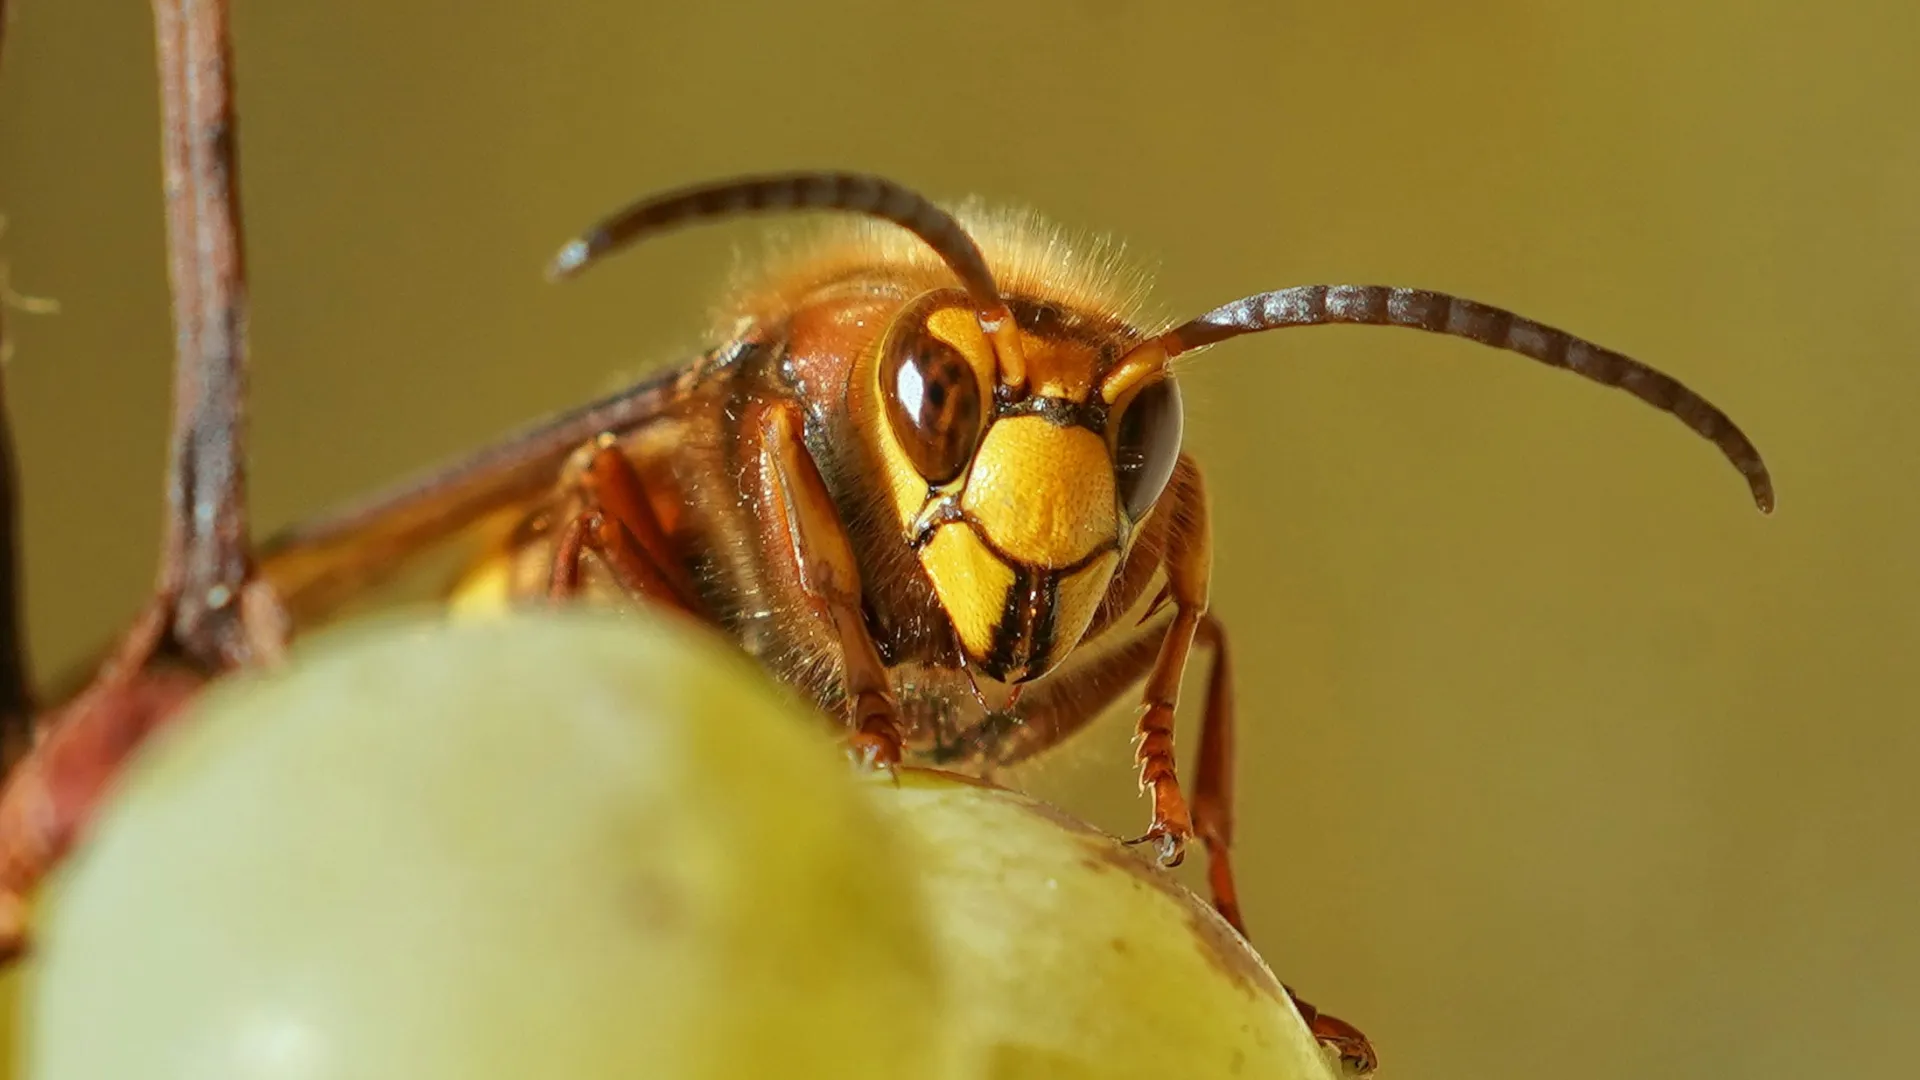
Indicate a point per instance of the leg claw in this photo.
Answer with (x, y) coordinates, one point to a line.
(1169, 842)
(870, 750)
(1357, 1057)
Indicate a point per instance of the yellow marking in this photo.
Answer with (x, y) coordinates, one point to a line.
(867, 395)
(1080, 595)
(1010, 349)
(904, 482)
(971, 583)
(960, 328)
(1134, 369)
(484, 590)
(1056, 369)
(909, 487)
(1060, 369)
(821, 549)
(1043, 494)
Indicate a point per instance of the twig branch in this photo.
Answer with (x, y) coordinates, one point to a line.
(206, 609)
(204, 564)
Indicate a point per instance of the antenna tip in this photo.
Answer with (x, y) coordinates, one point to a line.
(570, 260)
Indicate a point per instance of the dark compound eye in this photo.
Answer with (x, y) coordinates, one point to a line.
(1146, 445)
(933, 403)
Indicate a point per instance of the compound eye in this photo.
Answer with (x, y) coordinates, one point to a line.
(1146, 445)
(933, 403)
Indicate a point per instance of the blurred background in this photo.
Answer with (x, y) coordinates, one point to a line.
(1557, 758)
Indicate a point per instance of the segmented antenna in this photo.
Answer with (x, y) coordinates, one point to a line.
(857, 193)
(1439, 313)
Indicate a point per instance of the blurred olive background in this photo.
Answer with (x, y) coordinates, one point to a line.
(1557, 758)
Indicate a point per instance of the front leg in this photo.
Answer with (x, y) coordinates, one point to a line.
(803, 526)
(1068, 703)
(1189, 567)
(614, 520)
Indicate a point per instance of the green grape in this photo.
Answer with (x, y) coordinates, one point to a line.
(1073, 959)
(556, 845)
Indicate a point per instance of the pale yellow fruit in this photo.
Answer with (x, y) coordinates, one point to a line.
(555, 845)
(589, 845)
(1073, 959)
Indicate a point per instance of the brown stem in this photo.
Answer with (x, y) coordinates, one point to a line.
(205, 564)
